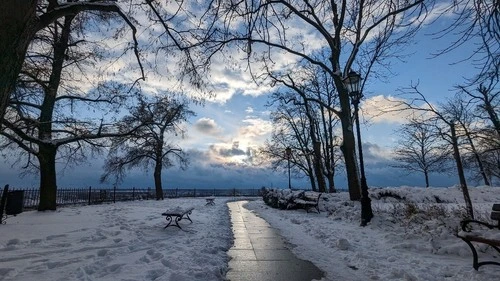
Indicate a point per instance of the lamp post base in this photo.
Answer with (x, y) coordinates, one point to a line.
(366, 205)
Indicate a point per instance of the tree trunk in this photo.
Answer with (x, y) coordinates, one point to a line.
(461, 174)
(47, 153)
(48, 182)
(478, 159)
(312, 180)
(17, 28)
(426, 175)
(157, 177)
(348, 146)
(331, 183)
(318, 170)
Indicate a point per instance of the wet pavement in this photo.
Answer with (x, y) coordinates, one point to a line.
(259, 253)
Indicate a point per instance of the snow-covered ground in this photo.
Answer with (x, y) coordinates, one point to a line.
(122, 241)
(126, 240)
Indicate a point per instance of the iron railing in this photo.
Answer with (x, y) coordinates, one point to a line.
(98, 195)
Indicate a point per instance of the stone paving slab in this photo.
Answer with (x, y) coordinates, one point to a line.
(259, 253)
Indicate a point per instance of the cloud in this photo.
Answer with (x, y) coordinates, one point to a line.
(256, 128)
(249, 110)
(228, 152)
(389, 109)
(207, 126)
(373, 153)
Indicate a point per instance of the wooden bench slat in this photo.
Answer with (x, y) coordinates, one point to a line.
(496, 207)
(482, 240)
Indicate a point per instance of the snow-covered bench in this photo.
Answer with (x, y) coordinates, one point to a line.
(210, 201)
(309, 201)
(489, 235)
(177, 214)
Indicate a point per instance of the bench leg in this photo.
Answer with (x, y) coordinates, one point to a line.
(169, 219)
(474, 254)
(187, 216)
(475, 262)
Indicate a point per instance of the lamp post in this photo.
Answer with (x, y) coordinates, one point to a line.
(353, 84)
(288, 154)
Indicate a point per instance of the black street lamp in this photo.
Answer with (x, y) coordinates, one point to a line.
(288, 154)
(353, 84)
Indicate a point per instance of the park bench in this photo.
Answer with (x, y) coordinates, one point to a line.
(177, 215)
(489, 235)
(210, 201)
(309, 201)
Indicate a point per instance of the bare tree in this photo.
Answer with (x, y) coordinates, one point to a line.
(20, 20)
(290, 129)
(420, 149)
(474, 21)
(310, 93)
(352, 34)
(149, 145)
(489, 153)
(448, 116)
(486, 98)
(48, 117)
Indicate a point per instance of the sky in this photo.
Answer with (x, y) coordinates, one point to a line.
(237, 119)
(127, 240)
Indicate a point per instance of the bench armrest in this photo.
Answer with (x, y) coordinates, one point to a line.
(465, 224)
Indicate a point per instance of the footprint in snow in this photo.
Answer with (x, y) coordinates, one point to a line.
(154, 255)
(102, 252)
(155, 274)
(12, 242)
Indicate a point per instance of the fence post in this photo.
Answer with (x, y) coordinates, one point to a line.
(133, 193)
(114, 193)
(90, 193)
(3, 201)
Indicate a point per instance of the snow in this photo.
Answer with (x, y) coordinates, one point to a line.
(412, 239)
(122, 241)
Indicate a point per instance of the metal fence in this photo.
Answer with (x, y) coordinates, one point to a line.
(97, 196)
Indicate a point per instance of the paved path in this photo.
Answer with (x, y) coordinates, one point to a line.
(260, 254)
